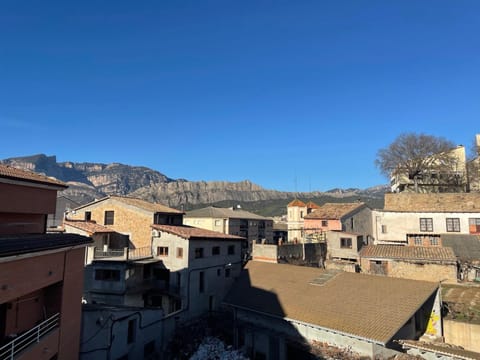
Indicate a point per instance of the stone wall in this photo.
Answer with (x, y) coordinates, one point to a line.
(456, 202)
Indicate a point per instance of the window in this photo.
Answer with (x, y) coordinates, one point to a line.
(453, 224)
(324, 223)
(426, 224)
(227, 273)
(109, 217)
(301, 214)
(107, 275)
(231, 249)
(384, 229)
(201, 282)
(132, 324)
(88, 216)
(418, 241)
(219, 272)
(198, 253)
(218, 222)
(346, 243)
(216, 250)
(433, 241)
(162, 251)
(179, 252)
(474, 225)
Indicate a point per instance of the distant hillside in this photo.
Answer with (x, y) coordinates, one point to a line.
(88, 181)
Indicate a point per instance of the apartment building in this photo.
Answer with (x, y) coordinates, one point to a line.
(41, 274)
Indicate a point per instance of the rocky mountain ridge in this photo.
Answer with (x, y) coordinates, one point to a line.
(88, 181)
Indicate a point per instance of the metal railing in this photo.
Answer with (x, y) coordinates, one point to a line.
(139, 253)
(32, 336)
(100, 253)
(125, 253)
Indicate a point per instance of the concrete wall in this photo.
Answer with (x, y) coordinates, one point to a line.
(462, 334)
(360, 223)
(268, 253)
(399, 224)
(411, 270)
(334, 245)
(443, 202)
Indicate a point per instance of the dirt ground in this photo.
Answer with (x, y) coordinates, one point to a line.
(462, 302)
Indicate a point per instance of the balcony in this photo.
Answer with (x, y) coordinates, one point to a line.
(33, 336)
(124, 254)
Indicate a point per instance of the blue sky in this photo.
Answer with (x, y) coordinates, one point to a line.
(292, 95)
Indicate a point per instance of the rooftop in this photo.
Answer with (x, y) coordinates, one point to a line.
(286, 291)
(11, 245)
(88, 226)
(465, 246)
(441, 349)
(296, 202)
(12, 173)
(431, 253)
(334, 210)
(192, 233)
(138, 203)
(215, 212)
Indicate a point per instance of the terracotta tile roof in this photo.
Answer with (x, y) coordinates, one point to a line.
(455, 352)
(432, 253)
(89, 227)
(356, 304)
(190, 232)
(214, 212)
(139, 203)
(436, 202)
(296, 202)
(13, 173)
(334, 210)
(312, 205)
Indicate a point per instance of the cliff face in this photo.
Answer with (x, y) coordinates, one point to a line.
(89, 181)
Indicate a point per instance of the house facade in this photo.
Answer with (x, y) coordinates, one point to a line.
(420, 219)
(233, 221)
(200, 265)
(41, 274)
(347, 217)
(343, 245)
(128, 216)
(296, 211)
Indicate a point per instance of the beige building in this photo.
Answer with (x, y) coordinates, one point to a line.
(233, 221)
(200, 264)
(296, 212)
(420, 219)
(128, 216)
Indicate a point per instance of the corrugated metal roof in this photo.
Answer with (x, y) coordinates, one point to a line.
(355, 304)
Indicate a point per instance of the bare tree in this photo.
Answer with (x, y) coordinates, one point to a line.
(417, 157)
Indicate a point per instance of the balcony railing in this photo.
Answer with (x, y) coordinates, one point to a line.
(32, 336)
(123, 254)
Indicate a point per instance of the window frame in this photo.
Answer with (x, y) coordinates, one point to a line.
(452, 224)
(162, 251)
(426, 224)
(346, 243)
(199, 253)
(109, 217)
(231, 249)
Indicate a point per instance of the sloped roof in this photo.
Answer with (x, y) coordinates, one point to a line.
(431, 253)
(355, 304)
(296, 202)
(455, 352)
(139, 203)
(312, 205)
(13, 173)
(191, 233)
(89, 227)
(465, 247)
(215, 212)
(334, 210)
(432, 202)
(24, 244)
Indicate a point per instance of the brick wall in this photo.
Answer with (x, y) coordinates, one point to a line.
(456, 202)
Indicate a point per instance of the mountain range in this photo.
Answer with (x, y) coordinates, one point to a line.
(89, 181)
